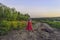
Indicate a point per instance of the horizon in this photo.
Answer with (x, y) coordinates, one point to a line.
(35, 8)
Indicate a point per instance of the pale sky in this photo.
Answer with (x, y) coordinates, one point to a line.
(35, 8)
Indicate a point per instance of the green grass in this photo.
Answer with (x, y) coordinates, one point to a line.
(53, 24)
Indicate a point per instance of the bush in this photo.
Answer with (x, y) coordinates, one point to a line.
(23, 24)
(6, 26)
(18, 25)
(14, 25)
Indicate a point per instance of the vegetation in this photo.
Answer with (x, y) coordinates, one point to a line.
(53, 22)
(10, 19)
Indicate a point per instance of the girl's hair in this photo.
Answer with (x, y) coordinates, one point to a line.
(29, 19)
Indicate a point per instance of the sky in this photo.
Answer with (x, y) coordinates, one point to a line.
(35, 8)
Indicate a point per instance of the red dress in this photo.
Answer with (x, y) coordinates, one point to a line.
(29, 25)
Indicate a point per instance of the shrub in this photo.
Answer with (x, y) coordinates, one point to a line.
(18, 25)
(22, 24)
(6, 26)
(14, 25)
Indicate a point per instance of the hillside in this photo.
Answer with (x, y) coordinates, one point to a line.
(11, 19)
(37, 34)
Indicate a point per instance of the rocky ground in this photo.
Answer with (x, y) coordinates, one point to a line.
(36, 34)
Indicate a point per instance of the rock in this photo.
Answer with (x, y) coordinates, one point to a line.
(36, 34)
(47, 28)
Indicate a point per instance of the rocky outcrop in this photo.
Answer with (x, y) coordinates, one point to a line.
(36, 34)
